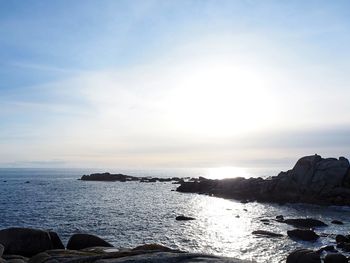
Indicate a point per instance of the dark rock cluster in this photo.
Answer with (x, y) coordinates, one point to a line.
(108, 177)
(21, 245)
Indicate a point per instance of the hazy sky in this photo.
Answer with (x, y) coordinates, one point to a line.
(173, 83)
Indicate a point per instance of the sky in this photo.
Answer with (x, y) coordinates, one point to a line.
(188, 83)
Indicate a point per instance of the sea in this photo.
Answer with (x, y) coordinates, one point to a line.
(128, 214)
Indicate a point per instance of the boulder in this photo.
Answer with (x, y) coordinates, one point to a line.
(335, 258)
(303, 234)
(28, 242)
(81, 241)
(265, 233)
(304, 256)
(304, 222)
(184, 218)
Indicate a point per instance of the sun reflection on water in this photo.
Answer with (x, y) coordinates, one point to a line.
(226, 172)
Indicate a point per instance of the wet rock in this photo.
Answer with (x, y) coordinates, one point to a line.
(337, 222)
(303, 234)
(328, 248)
(264, 220)
(184, 218)
(265, 233)
(335, 258)
(81, 241)
(341, 239)
(305, 222)
(304, 256)
(279, 218)
(344, 246)
(26, 241)
(39, 258)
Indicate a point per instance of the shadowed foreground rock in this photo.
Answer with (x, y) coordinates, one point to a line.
(312, 180)
(21, 245)
(28, 242)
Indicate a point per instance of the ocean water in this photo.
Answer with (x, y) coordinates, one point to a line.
(132, 213)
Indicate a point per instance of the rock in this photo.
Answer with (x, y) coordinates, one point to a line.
(304, 222)
(152, 247)
(313, 179)
(142, 254)
(81, 241)
(264, 220)
(279, 218)
(304, 256)
(341, 239)
(2, 249)
(328, 248)
(266, 233)
(26, 241)
(56, 241)
(303, 234)
(344, 246)
(335, 258)
(337, 222)
(184, 218)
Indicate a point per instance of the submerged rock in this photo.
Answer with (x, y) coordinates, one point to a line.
(28, 242)
(303, 234)
(266, 233)
(81, 241)
(184, 218)
(312, 180)
(337, 222)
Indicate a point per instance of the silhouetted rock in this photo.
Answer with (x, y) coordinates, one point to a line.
(184, 218)
(312, 180)
(2, 249)
(81, 241)
(304, 256)
(335, 258)
(108, 177)
(265, 233)
(337, 222)
(304, 222)
(28, 242)
(303, 234)
(342, 239)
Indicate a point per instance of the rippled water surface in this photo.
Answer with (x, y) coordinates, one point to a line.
(133, 213)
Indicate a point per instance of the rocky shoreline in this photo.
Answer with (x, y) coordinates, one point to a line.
(313, 180)
(25, 245)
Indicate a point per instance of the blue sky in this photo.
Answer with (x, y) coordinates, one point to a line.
(172, 83)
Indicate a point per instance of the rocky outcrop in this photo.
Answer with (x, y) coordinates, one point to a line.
(81, 241)
(312, 180)
(108, 177)
(28, 242)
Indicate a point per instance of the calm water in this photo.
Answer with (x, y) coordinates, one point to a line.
(133, 213)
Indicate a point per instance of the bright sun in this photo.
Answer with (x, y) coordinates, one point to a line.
(218, 99)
